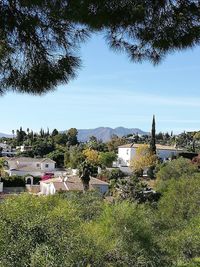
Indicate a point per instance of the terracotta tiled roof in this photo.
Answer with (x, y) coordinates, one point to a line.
(60, 186)
(73, 183)
(74, 186)
(76, 179)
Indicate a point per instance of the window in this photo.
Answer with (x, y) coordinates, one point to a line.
(46, 165)
(127, 151)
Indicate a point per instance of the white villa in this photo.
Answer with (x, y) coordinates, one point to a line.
(33, 166)
(70, 183)
(127, 152)
(24, 148)
(7, 150)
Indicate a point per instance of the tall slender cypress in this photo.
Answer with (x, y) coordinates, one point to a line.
(153, 136)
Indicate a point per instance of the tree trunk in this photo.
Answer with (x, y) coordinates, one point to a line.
(85, 186)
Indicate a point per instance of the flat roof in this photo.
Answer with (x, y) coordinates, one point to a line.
(158, 146)
(28, 159)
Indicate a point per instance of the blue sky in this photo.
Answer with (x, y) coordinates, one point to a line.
(112, 91)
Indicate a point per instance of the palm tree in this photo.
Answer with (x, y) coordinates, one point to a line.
(85, 170)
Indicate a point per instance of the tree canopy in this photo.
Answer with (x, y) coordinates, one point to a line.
(143, 158)
(40, 40)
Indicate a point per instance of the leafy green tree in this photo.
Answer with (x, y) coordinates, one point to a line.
(178, 219)
(129, 227)
(3, 165)
(72, 137)
(54, 132)
(85, 171)
(106, 158)
(42, 148)
(115, 142)
(52, 231)
(115, 174)
(95, 144)
(92, 156)
(174, 169)
(159, 136)
(60, 139)
(73, 157)
(58, 157)
(20, 136)
(13, 181)
(143, 158)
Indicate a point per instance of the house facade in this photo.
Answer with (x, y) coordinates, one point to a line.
(6, 150)
(127, 152)
(33, 166)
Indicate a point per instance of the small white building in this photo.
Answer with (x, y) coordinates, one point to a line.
(24, 148)
(33, 166)
(6, 150)
(127, 152)
(71, 183)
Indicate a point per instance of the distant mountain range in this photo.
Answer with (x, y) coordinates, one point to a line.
(101, 133)
(5, 135)
(105, 133)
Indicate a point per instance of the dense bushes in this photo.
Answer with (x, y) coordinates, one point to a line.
(16, 180)
(13, 181)
(76, 229)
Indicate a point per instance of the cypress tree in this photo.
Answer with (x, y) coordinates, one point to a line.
(153, 136)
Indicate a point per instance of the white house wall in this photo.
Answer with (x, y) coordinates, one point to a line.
(163, 153)
(52, 189)
(125, 155)
(45, 189)
(51, 166)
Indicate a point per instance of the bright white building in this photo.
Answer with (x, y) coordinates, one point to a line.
(33, 166)
(6, 150)
(127, 152)
(24, 148)
(71, 183)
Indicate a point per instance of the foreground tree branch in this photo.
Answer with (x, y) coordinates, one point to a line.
(40, 40)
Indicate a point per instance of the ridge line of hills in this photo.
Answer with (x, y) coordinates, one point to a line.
(101, 133)
(105, 133)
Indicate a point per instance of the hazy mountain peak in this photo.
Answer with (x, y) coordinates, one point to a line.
(105, 133)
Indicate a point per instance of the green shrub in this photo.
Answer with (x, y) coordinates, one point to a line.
(13, 181)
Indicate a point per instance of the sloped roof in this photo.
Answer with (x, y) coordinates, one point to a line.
(60, 186)
(93, 181)
(73, 183)
(27, 169)
(27, 159)
(158, 146)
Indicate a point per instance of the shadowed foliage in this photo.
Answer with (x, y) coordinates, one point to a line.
(40, 39)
